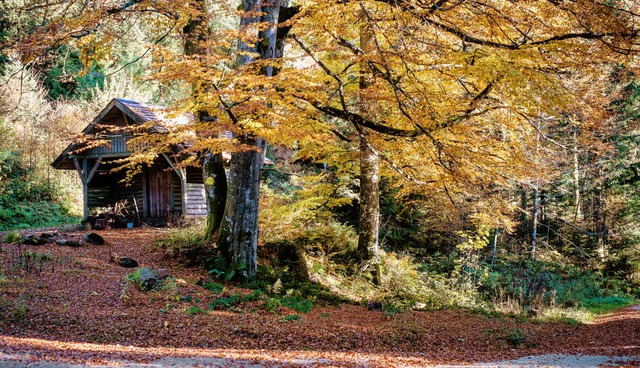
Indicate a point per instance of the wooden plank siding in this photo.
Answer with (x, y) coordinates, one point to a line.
(133, 193)
(114, 144)
(194, 175)
(196, 201)
(176, 191)
(100, 197)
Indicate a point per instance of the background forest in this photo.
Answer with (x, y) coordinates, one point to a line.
(522, 195)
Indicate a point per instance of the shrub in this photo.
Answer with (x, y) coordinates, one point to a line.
(273, 304)
(297, 303)
(515, 337)
(213, 287)
(25, 201)
(11, 237)
(292, 317)
(194, 310)
(187, 245)
(225, 301)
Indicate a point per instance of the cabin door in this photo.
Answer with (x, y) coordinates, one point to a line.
(159, 191)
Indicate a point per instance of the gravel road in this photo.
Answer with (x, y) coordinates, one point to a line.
(549, 360)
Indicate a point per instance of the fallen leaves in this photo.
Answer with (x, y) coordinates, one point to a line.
(75, 311)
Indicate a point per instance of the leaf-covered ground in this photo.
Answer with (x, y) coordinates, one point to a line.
(68, 304)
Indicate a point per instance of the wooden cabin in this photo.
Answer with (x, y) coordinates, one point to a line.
(161, 191)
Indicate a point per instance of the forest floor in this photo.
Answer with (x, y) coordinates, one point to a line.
(72, 307)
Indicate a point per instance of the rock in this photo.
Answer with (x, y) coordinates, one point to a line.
(146, 279)
(128, 262)
(69, 243)
(163, 273)
(123, 261)
(32, 240)
(93, 238)
(48, 235)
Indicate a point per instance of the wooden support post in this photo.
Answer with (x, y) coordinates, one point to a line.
(85, 178)
(182, 174)
(183, 191)
(145, 183)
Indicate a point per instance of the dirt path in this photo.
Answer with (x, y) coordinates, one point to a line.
(75, 309)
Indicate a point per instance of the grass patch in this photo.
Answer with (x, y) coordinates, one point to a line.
(607, 304)
(571, 316)
(187, 245)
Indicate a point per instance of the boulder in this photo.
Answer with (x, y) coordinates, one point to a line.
(93, 238)
(145, 279)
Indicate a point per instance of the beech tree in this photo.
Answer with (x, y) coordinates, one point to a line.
(458, 86)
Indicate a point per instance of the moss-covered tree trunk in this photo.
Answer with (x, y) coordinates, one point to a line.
(215, 184)
(238, 238)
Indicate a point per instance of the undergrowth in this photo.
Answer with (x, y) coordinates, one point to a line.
(26, 201)
(543, 290)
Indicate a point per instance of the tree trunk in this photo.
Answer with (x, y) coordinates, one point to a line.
(600, 225)
(576, 176)
(238, 240)
(238, 229)
(215, 185)
(368, 238)
(215, 180)
(494, 251)
(534, 220)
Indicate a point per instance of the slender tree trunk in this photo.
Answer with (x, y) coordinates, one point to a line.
(494, 252)
(534, 220)
(576, 175)
(601, 225)
(368, 238)
(368, 234)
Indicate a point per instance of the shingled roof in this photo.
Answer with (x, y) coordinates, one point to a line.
(134, 113)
